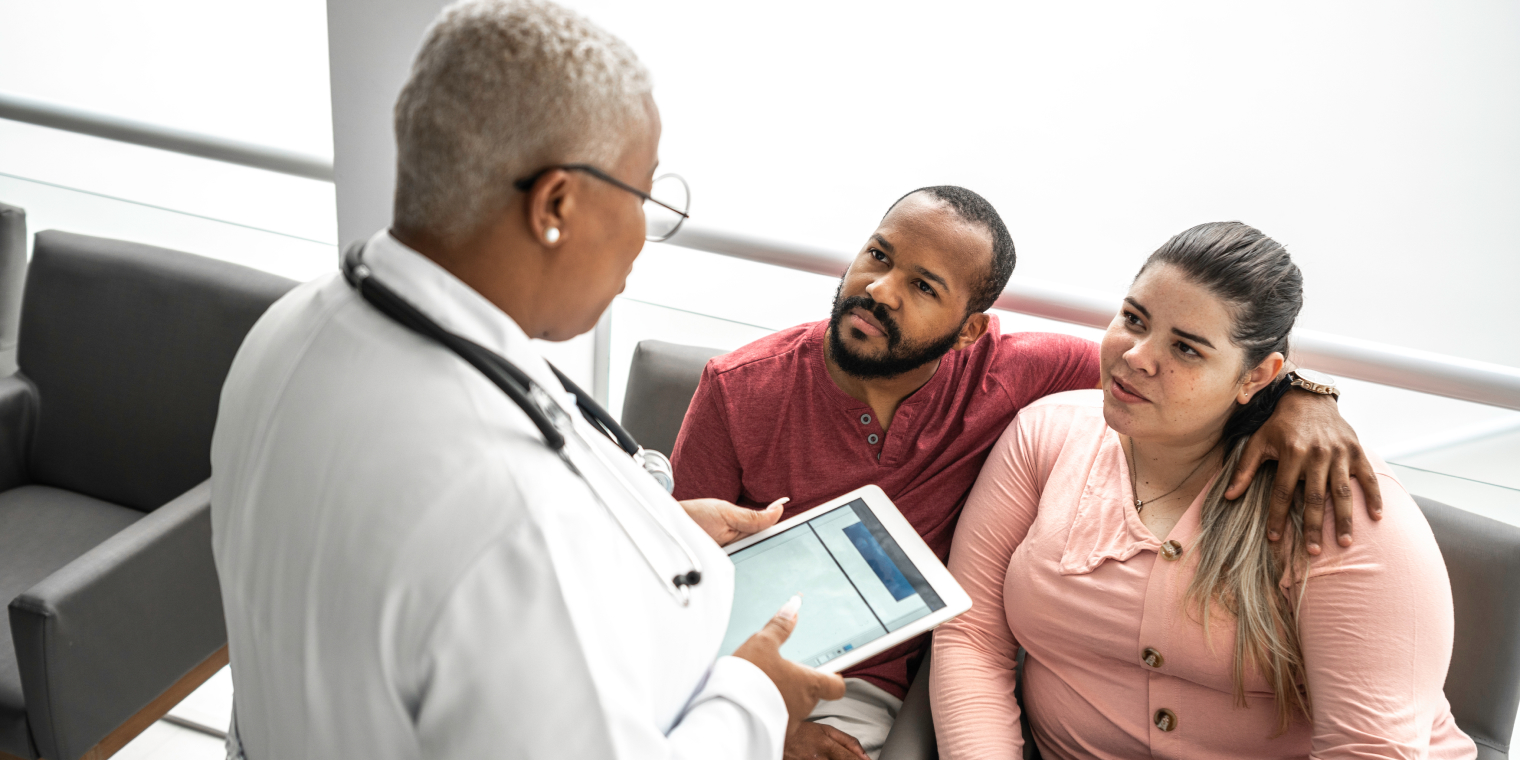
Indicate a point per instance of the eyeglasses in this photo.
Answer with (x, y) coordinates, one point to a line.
(665, 204)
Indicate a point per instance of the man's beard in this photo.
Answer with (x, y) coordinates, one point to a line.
(901, 355)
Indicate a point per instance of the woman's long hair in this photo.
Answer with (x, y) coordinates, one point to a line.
(1238, 570)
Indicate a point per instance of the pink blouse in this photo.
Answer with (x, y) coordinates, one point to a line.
(1057, 561)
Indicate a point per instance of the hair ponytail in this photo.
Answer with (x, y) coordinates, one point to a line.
(1238, 569)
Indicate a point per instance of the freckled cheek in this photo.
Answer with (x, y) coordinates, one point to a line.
(1111, 350)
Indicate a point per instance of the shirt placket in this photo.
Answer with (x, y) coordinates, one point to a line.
(1169, 726)
(866, 430)
(896, 442)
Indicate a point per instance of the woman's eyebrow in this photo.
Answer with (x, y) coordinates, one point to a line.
(1192, 337)
(1143, 311)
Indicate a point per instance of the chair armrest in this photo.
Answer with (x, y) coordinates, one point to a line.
(99, 639)
(18, 418)
(912, 734)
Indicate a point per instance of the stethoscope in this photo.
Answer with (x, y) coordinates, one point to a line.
(547, 415)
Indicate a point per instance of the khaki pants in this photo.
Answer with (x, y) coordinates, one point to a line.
(866, 712)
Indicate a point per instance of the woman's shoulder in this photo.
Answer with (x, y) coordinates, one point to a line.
(1081, 409)
(1402, 536)
(1070, 403)
(1054, 421)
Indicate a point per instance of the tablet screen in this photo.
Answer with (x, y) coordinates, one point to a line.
(857, 585)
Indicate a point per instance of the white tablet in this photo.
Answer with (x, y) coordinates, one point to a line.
(868, 582)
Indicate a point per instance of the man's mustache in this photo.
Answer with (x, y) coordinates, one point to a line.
(877, 310)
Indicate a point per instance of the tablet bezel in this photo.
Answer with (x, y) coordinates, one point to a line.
(956, 600)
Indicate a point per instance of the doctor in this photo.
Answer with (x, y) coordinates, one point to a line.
(416, 564)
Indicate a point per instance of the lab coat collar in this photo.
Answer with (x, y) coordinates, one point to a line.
(455, 305)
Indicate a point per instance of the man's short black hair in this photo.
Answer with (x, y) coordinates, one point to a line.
(975, 209)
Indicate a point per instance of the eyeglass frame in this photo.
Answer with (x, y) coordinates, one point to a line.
(526, 183)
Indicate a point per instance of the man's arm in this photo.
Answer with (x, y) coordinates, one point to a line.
(1311, 442)
(1308, 439)
(704, 462)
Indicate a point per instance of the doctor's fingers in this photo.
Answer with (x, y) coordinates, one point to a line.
(779, 628)
(830, 686)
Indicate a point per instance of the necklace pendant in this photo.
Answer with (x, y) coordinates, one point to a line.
(1138, 504)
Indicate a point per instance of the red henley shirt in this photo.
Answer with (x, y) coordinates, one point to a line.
(767, 421)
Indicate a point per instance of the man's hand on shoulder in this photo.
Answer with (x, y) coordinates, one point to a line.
(727, 522)
(816, 741)
(1311, 442)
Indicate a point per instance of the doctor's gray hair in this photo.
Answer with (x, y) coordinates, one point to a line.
(499, 90)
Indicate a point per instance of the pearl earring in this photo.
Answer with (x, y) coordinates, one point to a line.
(551, 235)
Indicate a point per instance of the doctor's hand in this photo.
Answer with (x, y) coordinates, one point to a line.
(801, 687)
(727, 522)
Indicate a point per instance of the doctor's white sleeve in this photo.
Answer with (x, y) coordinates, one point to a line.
(504, 676)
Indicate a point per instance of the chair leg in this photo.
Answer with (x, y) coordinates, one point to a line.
(158, 708)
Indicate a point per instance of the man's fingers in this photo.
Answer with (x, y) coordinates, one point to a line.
(1316, 485)
(1361, 469)
(849, 743)
(1284, 484)
(1340, 495)
(1250, 459)
(745, 520)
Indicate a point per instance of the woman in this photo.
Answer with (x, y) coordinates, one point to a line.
(1155, 616)
(425, 548)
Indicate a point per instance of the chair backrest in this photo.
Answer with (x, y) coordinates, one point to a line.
(12, 275)
(661, 382)
(1483, 684)
(128, 346)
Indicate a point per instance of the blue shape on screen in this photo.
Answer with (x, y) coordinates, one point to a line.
(885, 569)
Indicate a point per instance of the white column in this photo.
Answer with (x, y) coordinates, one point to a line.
(370, 45)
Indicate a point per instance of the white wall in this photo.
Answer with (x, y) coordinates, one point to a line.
(1376, 139)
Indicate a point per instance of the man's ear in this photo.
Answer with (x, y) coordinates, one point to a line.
(975, 328)
(1260, 377)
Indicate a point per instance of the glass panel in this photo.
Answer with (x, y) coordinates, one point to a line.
(1493, 501)
(54, 207)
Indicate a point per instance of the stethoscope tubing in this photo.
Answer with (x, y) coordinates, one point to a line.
(519, 387)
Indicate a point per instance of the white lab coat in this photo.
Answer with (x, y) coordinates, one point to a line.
(410, 572)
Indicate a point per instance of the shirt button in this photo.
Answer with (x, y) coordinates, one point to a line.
(872, 439)
(865, 419)
(1152, 657)
(1171, 551)
(1166, 720)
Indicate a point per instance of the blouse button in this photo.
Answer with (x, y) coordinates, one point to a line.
(1152, 657)
(865, 419)
(1171, 551)
(1166, 720)
(872, 439)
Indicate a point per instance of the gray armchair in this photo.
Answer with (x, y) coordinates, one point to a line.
(12, 272)
(105, 532)
(1482, 557)
(661, 381)
(1483, 684)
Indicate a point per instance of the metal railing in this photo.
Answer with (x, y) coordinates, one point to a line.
(1412, 369)
(1423, 371)
(70, 119)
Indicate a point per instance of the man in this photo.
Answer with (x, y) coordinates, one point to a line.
(908, 385)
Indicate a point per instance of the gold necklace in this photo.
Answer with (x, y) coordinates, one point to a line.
(1134, 478)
